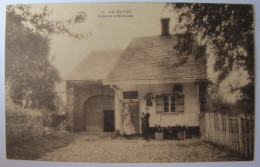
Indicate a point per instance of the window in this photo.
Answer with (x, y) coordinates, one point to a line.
(169, 103)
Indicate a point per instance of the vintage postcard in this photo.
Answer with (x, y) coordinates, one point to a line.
(139, 82)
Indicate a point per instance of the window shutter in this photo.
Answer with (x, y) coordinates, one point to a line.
(159, 104)
(180, 103)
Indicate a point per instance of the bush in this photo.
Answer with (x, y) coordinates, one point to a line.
(22, 124)
(57, 119)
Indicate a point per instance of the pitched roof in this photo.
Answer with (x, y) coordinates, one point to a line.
(152, 58)
(96, 66)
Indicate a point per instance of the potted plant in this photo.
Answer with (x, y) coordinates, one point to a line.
(168, 132)
(181, 132)
(158, 133)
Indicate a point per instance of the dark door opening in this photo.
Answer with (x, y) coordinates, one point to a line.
(109, 121)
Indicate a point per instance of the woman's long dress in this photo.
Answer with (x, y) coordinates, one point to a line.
(128, 125)
(145, 124)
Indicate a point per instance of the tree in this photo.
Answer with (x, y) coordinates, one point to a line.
(29, 73)
(227, 30)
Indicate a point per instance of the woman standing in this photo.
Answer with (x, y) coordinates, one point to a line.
(128, 125)
(145, 123)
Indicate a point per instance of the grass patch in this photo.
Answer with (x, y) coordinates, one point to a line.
(39, 147)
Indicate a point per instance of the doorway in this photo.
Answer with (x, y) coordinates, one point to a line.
(109, 121)
(134, 110)
(95, 108)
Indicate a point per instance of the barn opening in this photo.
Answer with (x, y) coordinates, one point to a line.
(99, 114)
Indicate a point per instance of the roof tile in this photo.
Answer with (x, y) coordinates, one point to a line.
(153, 58)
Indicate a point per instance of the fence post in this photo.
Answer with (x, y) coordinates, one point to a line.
(250, 137)
(228, 131)
(246, 142)
(237, 135)
(212, 137)
(220, 128)
(214, 127)
(224, 131)
(253, 136)
(234, 134)
(226, 135)
(207, 126)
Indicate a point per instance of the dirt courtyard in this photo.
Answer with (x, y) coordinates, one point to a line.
(93, 149)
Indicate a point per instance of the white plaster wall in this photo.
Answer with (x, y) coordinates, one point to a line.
(117, 111)
(190, 116)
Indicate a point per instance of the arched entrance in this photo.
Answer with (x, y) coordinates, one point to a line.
(99, 113)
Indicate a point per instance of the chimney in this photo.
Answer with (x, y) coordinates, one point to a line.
(165, 26)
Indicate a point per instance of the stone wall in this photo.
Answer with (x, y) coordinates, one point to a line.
(78, 92)
(94, 109)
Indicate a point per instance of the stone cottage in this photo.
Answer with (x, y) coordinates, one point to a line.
(91, 105)
(145, 77)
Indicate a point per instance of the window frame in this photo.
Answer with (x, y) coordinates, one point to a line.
(169, 100)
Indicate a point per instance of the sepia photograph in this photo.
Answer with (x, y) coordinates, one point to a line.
(130, 82)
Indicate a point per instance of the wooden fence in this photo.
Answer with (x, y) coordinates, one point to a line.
(234, 133)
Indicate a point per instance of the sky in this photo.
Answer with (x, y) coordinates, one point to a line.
(115, 33)
(104, 33)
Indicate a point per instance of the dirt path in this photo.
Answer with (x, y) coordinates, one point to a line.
(136, 151)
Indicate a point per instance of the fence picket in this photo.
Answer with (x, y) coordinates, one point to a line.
(227, 130)
(232, 133)
(236, 135)
(224, 130)
(246, 142)
(206, 122)
(249, 141)
(240, 132)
